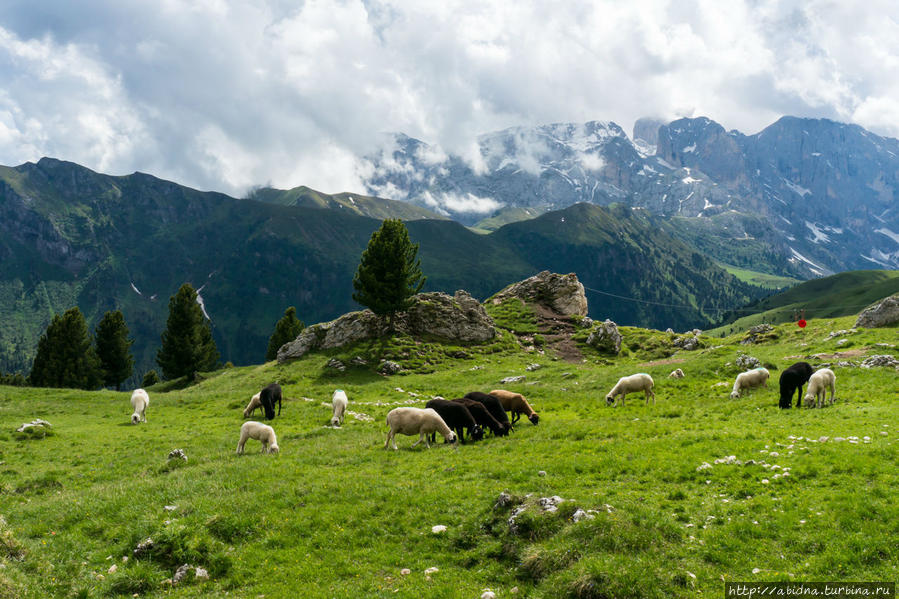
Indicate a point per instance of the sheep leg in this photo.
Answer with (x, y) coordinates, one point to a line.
(515, 417)
(389, 437)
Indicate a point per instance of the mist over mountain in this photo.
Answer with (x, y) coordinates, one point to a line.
(820, 194)
(70, 236)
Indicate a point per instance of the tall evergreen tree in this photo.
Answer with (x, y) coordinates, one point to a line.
(187, 344)
(389, 273)
(287, 329)
(114, 349)
(65, 355)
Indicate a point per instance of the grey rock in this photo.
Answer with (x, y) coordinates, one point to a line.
(388, 367)
(143, 547)
(504, 500)
(688, 343)
(676, 374)
(457, 318)
(884, 360)
(586, 322)
(533, 367)
(605, 337)
(513, 379)
(563, 294)
(335, 364)
(753, 334)
(177, 454)
(747, 362)
(883, 313)
(38, 422)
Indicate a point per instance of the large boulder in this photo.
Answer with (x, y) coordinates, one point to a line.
(605, 337)
(459, 318)
(883, 313)
(563, 294)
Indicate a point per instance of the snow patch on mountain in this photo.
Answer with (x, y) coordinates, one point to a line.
(136, 290)
(798, 189)
(817, 234)
(888, 233)
(797, 257)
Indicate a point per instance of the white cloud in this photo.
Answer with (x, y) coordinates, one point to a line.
(465, 203)
(226, 94)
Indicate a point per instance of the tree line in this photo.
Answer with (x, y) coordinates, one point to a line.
(70, 356)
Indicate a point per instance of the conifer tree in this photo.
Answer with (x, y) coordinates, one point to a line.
(286, 329)
(187, 344)
(114, 349)
(65, 355)
(389, 273)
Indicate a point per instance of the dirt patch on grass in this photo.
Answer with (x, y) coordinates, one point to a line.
(558, 330)
(849, 353)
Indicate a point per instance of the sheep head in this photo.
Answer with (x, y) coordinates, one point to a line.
(609, 400)
(534, 418)
(273, 448)
(135, 418)
(477, 433)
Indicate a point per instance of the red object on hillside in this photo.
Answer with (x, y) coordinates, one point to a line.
(802, 323)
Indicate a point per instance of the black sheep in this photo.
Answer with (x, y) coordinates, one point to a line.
(791, 379)
(495, 408)
(481, 415)
(458, 418)
(269, 396)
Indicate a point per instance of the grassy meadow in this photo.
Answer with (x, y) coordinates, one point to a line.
(809, 495)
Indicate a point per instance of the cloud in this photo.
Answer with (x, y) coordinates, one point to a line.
(466, 203)
(227, 94)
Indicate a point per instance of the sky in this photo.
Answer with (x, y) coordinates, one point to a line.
(225, 95)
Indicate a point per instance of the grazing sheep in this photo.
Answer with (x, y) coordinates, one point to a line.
(255, 403)
(818, 384)
(628, 384)
(495, 408)
(481, 415)
(269, 396)
(516, 404)
(338, 402)
(457, 417)
(260, 432)
(420, 421)
(791, 380)
(139, 402)
(757, 377)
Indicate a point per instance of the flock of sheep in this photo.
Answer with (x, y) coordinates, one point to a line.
(476, 411)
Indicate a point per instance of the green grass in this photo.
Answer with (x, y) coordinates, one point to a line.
(761, 279)
(336, 515)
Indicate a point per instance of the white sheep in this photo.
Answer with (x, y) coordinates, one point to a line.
(818, 384)
(260, 432)
(416, 421)
(757, 377)
(139, 402)
(629, 384)
(255, 402)
(338, 403)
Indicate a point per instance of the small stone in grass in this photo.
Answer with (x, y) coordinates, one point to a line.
(541, 473)
(438, 529)
(431, 570)
(488, 595)
(405, 571)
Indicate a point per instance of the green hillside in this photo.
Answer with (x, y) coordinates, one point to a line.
(70, 236)
(360, 205)
(505, 216)
(828, 297)
(664, 500)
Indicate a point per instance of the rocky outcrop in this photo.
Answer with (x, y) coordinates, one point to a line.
(883, 313)
(563, 294)
(459, 318)
(605, 338)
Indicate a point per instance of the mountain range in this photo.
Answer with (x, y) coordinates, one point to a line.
(71, 236)
(803, 197)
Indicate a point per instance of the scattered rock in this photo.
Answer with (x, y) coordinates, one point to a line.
(335, 364)
(177, 454)
(605, 337)
(746, 362)
(513, 379)
(181, 572)
(405, 571)
(586, 322)
(880, 360)
(541, 473)
(143, 547)
(504, 500)
(439, 528)
(431, 570)
(757, 334)
(676, 374)
(533, 367)
(550, 504)
(37, 422)
(563, 294)
(488, 595)
(388, 367)
(201, 574)
(883, 313)
(112, 569)
(669, 330)
(358, 361)
(687, 343)
(580, 514)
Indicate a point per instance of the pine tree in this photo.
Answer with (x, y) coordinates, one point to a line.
(286, 330)
(389, 272)
(114, 349)
(65, 355)
(187, 344)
